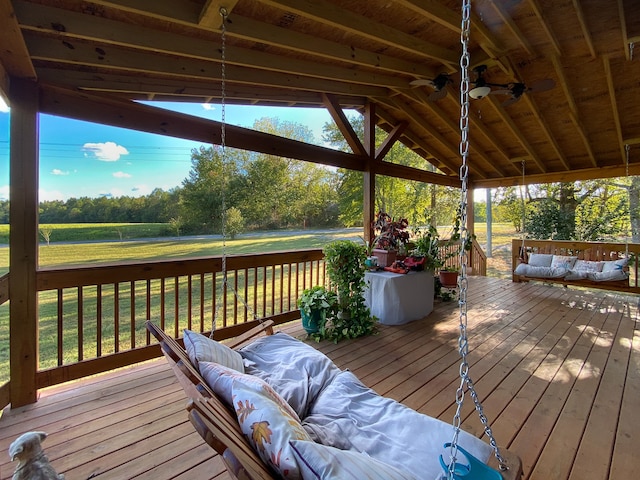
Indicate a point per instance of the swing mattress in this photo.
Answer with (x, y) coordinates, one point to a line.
(332, 425)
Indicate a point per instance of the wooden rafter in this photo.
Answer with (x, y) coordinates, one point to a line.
(508, 122)
(324, 12)
(584, 27)
(14, 55)
(515, 30)
(454, 127)
(545, 26)
(614, 105)
(574, 114)
(349, 134)
(546, 129)
(431, 130)
(390, 140)
(211, 16)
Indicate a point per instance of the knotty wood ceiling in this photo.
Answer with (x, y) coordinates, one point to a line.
(346, 53)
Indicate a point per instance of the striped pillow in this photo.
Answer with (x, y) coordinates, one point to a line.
(203, 349)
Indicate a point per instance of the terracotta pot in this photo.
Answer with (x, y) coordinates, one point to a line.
(448, 279)
(385, 257)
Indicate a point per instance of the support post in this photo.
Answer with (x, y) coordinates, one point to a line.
(369, 186)
(489, 222)
(23, 242)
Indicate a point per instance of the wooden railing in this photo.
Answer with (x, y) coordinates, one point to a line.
(477, 259)
(92, 318)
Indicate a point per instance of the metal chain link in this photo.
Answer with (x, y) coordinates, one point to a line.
(463, 344)
(223, 154)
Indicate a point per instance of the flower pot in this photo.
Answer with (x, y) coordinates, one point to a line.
(448, 279)
(385, 257)
(371, 263)
(313, 323)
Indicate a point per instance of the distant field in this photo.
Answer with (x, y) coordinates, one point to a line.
(115, 242)
(76, 232)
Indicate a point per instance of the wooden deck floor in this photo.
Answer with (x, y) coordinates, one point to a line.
(558, 371)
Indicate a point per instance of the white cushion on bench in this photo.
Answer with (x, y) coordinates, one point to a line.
(540, 259)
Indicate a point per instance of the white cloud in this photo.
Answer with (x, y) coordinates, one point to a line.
(4, 108)
(106, 152)
(50, 195)
(121, 175)
(140, 190)
(4, 192)
(57, 171)
(208, 106)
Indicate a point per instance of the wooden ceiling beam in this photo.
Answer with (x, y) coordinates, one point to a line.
(431, 130)
(343, 124)
(574, 114)
(57, 46)
(511, 25)
(584, 27)
(189, 70)
(515, 131)
(545, 26)
(135, 116)
(412, 139)
(14, 55)
(39, 17)
(544, 126)
(454, 127)
(451, 19)
(561, 177)
(614, 106)
(324, 12)
(211, 16)
(391, 138)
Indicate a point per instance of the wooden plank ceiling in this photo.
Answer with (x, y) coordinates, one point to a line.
(579, 110)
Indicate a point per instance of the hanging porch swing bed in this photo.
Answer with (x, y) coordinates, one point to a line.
(278, 408)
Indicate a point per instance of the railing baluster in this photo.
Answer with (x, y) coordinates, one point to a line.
(176, 306)
(148, 309)
(60, 311)
(80, 326)
(116, 316)
(189, 300)
(99, 320)
(202, 277)
(132, 326)
(162, 303)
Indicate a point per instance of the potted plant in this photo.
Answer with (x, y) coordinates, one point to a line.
(316, 304)
(390, 236)
(371, 262)
(427, 247)
(344, 262)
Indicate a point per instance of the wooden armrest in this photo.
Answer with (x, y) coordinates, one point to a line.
(266, 327)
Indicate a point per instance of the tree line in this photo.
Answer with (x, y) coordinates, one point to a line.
(254, 191)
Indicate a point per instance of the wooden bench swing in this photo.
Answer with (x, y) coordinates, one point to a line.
(588, 251)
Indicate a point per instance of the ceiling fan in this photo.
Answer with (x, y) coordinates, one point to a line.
(482, 88)
(439, 85)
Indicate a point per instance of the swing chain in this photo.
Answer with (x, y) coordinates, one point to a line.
(223, 153)
(463, 344)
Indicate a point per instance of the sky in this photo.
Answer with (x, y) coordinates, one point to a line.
(82, 159)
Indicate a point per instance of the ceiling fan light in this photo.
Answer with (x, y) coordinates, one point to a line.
(479, 92)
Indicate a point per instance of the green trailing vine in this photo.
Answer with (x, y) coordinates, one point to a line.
(344, 261)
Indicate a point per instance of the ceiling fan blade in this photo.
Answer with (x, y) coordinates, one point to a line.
(422, 82)
(511, 101)
(501, 92)
(438, 95)
(542, 85)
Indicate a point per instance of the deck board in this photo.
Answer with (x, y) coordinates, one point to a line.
(557, 370)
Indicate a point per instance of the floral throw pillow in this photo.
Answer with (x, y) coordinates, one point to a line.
(270, 425)
(203, 349)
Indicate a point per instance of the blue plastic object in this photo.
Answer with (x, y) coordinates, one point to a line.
(476, 470)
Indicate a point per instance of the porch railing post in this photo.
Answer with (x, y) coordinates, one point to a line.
(23, 241)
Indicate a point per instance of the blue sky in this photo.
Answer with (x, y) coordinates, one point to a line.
(81, 159)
